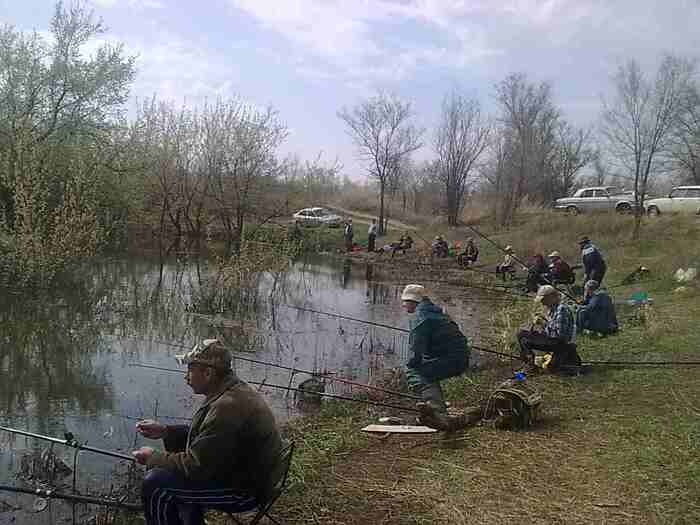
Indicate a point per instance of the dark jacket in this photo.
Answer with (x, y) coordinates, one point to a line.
(439, 348)
(593, 263)
(597, 314)
(233, 439)
(561, 272)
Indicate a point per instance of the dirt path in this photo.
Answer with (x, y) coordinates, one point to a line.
(366, 218)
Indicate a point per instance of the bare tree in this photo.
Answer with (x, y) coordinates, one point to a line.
(686, 139)
(600, 170)
(639, 123)
(461, 138)
(381, 129)
(527, 143)
(572, 153)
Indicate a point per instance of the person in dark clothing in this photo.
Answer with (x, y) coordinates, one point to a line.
(557, 335)
(371, 235)
(470, 254)
(536, 273)
(593, 263)
(347, 235)
(559, 271)
(598, 311)
(228, 451)
(439, 351)
(440, 247)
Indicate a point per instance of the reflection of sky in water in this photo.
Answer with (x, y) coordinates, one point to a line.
(65, 364)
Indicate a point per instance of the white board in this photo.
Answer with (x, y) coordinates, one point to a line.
(399, 429)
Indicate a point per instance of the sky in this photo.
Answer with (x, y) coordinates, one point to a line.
(310, 58)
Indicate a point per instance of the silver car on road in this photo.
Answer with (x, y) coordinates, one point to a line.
(597, 198)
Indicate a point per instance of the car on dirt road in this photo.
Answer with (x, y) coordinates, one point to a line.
(682, 199)
(597, 198)
(317, 216)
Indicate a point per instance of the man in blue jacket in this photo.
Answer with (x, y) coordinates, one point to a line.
(598, 311)
(439, 351)
(593, 263)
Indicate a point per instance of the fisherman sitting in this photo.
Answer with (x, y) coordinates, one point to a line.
(598, 311)
(439, 350)
(556, 334)
(405, 243)
(469, 255)
(536, 273)
(507, 268)
(440, 247)
(223, 460)
(559, 271)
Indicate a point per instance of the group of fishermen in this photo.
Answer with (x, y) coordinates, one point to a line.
(225, 459)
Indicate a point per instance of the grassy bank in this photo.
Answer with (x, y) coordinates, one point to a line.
(619, 445)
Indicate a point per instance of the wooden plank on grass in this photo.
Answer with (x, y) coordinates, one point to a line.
(399, 429)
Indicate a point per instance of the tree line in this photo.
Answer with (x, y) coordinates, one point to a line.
(76, 173)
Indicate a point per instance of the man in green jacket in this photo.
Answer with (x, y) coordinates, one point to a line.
(226, 454)
(440, 351)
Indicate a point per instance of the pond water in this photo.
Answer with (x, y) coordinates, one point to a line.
(66, 361)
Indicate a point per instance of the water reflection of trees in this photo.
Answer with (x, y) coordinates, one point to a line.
(46, 356)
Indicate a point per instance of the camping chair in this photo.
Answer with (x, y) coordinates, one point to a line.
(279, 475)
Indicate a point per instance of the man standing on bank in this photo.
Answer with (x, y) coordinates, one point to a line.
(226, 454)
(439, 351)
(371, 235)
(594, 265)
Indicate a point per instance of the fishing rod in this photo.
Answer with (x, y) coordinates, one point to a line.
(52, 494)
(325, 375)
(516, 259)
(292, 389)
(404, 330)
(643, 363)
(70, 441)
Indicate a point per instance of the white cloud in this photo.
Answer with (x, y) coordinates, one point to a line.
(133, 4)
(348, 39)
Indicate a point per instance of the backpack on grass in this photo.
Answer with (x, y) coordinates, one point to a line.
(514, 405)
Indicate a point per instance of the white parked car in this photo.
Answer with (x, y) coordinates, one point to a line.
(682, 199)
(316, 217)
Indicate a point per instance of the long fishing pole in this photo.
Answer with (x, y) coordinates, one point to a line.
(404, 330)
(325, 375)
(70, 441)
(563, 292)
(643, 363)
(289, 388)
(52, 494)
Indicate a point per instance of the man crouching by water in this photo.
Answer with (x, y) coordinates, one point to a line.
(225, 455)
(439, 351)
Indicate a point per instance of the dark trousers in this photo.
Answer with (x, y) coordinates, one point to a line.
(596, 274)
(564, 354)
(170, 499)
(370, 242)
(348, 243)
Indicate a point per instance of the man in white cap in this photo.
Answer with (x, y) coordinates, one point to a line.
(227, 453)
(439, 351)
(556, 336)
(506, 267)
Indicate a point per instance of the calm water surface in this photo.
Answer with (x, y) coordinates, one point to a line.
(66, 360)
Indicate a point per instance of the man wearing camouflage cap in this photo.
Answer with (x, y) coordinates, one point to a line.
(226, 453)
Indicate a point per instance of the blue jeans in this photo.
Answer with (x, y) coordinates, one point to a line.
(170, 499)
